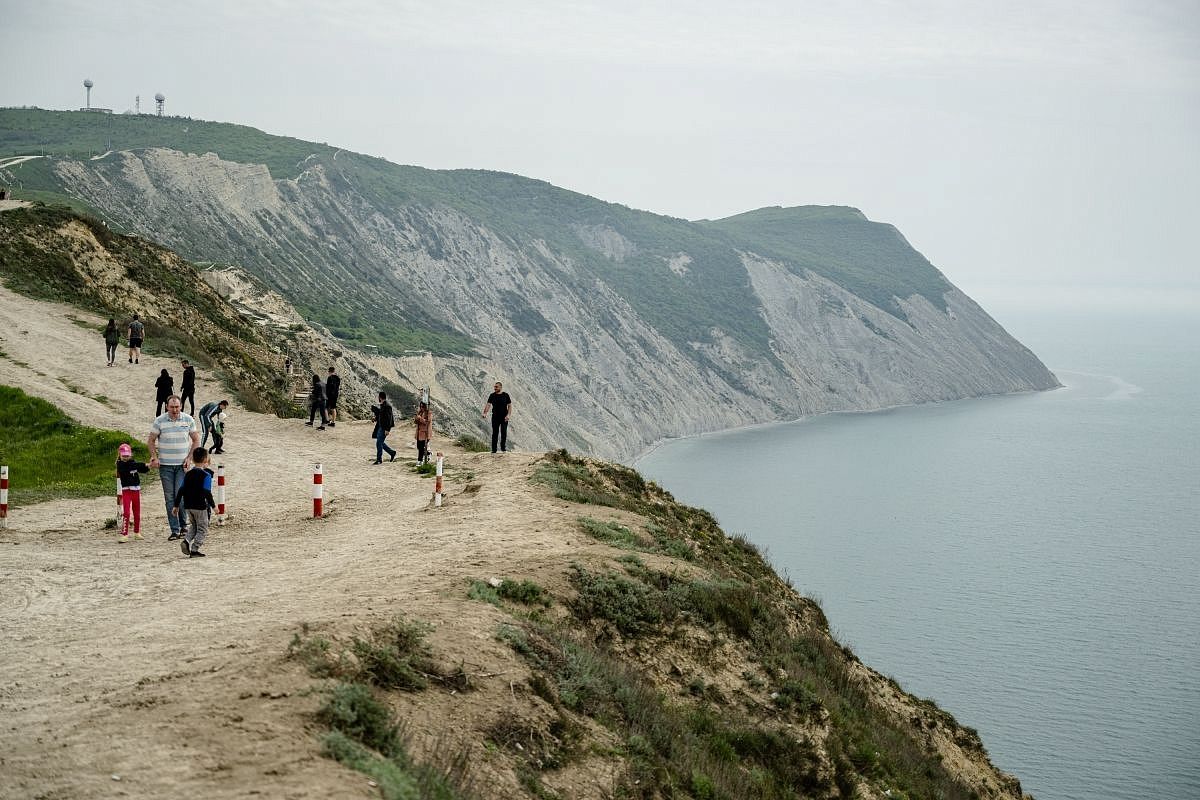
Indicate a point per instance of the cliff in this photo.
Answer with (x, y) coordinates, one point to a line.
(612, 327)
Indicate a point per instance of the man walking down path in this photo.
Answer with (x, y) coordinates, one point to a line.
(333, 387)
(385, 420)
(187, 389)
(316, 402)
(501, 405)
(172, 438)
(137, 333)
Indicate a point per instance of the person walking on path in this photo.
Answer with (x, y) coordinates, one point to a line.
(166, 387)
(131, 491)
(112, 338)
(333, 387)
(316, 402)
(424, 423)
(385, 420)
(137, 333)
(194, 502)
(187, 389)
(172, 438)
(209, 417)
(501, 405)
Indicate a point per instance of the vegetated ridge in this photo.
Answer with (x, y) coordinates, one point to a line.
(614, 327)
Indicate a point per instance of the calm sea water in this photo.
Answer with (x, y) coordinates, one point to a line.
(1030, 562)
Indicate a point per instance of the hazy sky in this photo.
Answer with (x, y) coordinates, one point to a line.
(1014, 144)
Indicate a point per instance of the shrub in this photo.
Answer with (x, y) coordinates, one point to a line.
(632, 607)
(472, 444)
(353, 710)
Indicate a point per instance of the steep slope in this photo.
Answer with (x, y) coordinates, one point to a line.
(613, 327)
(636, 651)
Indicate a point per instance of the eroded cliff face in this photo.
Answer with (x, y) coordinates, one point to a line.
(587, 370)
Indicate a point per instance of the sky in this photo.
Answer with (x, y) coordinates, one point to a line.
(1049, 147)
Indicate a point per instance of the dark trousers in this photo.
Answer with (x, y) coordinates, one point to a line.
(111, 350)
(158, 407)
(422, 449)
(381, 445)
(499, 428)
(218, 441)
(314, 408)
(188, 393)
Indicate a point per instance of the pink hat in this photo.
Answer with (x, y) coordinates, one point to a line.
(124, 450)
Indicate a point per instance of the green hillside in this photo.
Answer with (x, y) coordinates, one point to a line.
(870, 259)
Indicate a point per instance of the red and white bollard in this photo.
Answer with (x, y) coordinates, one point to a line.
(437, 485)
(318, 490)
(3, 497)
(220, 494)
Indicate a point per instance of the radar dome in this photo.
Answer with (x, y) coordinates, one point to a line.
(87, 83)
(160, 97)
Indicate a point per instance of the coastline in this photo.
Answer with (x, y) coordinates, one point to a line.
(882, 409)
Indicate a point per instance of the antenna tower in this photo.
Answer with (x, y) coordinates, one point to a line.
(137, 104)
(87, 84)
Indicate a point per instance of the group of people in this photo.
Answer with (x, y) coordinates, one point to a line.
(135, 334)
(212, 415)
(182, 463)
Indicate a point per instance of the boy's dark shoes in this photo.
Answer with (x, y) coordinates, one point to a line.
(183, 545)
(196, 554)
(321, 428)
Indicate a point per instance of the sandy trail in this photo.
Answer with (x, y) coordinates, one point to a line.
(132, 660)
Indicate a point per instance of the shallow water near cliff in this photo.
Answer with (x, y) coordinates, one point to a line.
(1030, 562)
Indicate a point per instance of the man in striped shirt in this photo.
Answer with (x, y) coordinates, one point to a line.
(173, 436)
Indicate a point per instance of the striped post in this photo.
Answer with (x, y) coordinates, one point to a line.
(3, 497)
(437, 486)
(318, 491)
(220, 494)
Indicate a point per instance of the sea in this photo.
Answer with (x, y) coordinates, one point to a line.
(1031, 562)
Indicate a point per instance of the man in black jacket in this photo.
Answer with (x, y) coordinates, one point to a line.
(187, 391)
(333, 387)
(501, 406)
(385, 420)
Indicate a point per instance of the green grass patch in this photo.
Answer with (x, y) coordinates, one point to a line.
(83, 460)
(525, 592)
(472, 444)
(613, 533)
(394, 655)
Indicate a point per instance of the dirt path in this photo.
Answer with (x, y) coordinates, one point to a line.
(130, 660)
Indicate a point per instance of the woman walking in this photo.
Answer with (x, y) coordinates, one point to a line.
(166, 388)
(424, 423)
(112, 338)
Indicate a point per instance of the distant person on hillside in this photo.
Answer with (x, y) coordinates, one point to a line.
(385, 420)
(194, 503)
(112, 338)
(333, 387)
(136, 333)
(187, 390)
(131, 491)
(424, 423)
(210, 422)
(501, 406)
(172, 438)
(316, 402)
(166, 387)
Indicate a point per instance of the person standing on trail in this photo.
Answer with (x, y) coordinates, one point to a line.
(187, 389)
(316, 402)
(131, 491)
(424, 423)
(172, 438)
(112, 338)
(333, 387)
(137, 332)
(501, 405)
(385, 420)
(166, 387)
(194, 504)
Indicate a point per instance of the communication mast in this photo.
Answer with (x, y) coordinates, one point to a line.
(87, 84)
(159, 99)
(137, 104)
